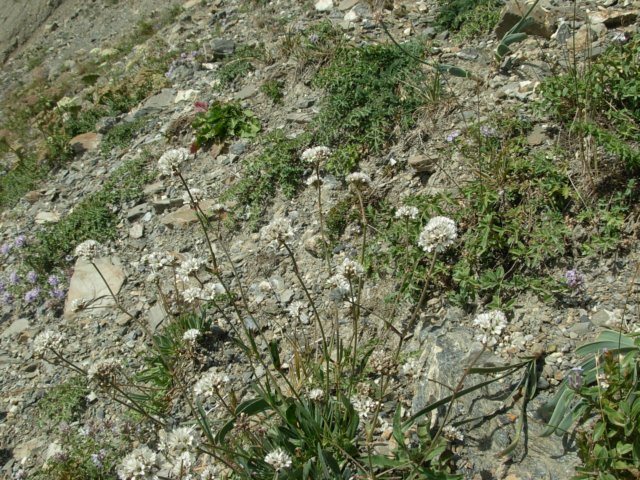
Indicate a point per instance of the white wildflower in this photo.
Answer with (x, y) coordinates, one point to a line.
(359, 180)
(188, 267)
(296, 308)
(196, 194)
(177, 442)
(364, 406)
(315, 155)
(157, 260)
(603, 381)
(171, 160)
(451, 433)
(47, 340)
(140, 464)
(350, 269)
(210, 382)
(78, 304)
(192, 294)
(265, 287)
(179, 467)
(103, 372)
(410, 213)
(316, 395)
(191, 335)
(491, 325)
(438, 234)
(88, 249)
(278, 459)
(279, 231)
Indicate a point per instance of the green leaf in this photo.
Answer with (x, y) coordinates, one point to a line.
(453, 70)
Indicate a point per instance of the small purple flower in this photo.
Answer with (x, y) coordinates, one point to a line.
(20, 241)
(97, 458)
(53, 280)
(7, 298)
(313, 38)
(32, 277)
(487, 131)
(5, 248)
(57, 293)
(575, 378)
(574, 279)
(14, 278)
(32, 295)
(453, 135)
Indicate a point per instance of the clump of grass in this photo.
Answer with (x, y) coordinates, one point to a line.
(239, 64)
(273, 90)
(468, 17)
(63, 403)
(121, 135)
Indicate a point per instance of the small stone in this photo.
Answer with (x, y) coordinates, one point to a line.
(16, 328)
(136, 231)
(222, 47)
(246, 92)
(347, 4)
(136, 212)
(323, 5)
(423, 163)
(537, 136)
(47, 217)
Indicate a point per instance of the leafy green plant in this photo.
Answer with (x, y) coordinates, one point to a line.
(602, 101)
(367, 89)
(603, 394)
(223, 122)
(277, 168)
(239, 64)
(456, 14)
(63, 403)
(273, 90)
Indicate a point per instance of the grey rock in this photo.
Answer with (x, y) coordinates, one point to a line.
(347, 4)
(86, 283)
(323, 5)
(105, 124)
(602, 318)
(423, 163)
(250, 324)
(537, 136)
(246, 92)
(154, 104)
(16, 328)
(161, 206)
(468, 54)
(136, 231)
(541, 19)
(238, 148)
(222, 47)
(136, 212)
(298, 117)
(156, 316)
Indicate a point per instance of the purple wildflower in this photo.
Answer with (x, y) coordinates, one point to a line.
(14, 278)
(32, 277)
(20, 241)
(453, 135)
(57, 293)
(53, 280)
(97, 458)
(201, 107)
(574, 279)
(32, 294)
(3, 287)
(8, 298)
(487, 131)
(5, 248)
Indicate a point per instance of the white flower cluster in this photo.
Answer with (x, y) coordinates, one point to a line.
(188, 267)
(191, 336)
(492, 325)
(278, 231)
(78, 304)
(88, 249)
(316, 395)
(314, 181)
(438, 235)
(210, 382)
(171, 160)
(192, 294)
(410, 213)
(178, 441)
(278, 459)
(364, 406)
(47, 340)
(315, 155)
(350, 269)
(157, 260)
(140, 464)
(103, 372)
(359, 180)
(196, 194)
(452, 434)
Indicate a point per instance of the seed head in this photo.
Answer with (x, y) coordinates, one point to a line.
(438, 234)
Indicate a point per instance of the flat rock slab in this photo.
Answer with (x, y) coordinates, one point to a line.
(85, 142)
(184, 215)
(86, 283)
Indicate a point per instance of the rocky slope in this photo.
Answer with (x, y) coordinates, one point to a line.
(417, 162)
